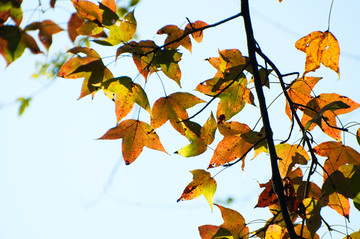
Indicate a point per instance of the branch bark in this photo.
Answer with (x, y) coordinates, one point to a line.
(276, 178)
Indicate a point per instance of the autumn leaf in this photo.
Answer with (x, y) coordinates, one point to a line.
(192, 27)
(290, 155)
(337, 155)
(320, 47)
(173, 33)
(234, 223)
(202, 184)
(300, 93)
(13, 42)
(135, 134)
(122, 31)
(127, 94)
(90, 67)
(313, 218)
(323, 107)
(173, 108)
(230, 148)
(11, 9)
(141, 55)
(198, 136)
(46, 28)
(88, 10)
(267, 197)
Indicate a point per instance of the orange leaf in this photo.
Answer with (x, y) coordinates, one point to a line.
(232, 128)
(337, 155)
(230, 148)
(173, 108)
(197, 35)
(319, 107)
(87, 10)
(300, 92)
(202, 184)
(175, 33)
(289, 156)
(320, 47)
(267, 196)
(234, 223)
(90, 67)
(135, 134)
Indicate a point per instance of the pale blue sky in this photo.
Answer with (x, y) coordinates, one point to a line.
(57, 181)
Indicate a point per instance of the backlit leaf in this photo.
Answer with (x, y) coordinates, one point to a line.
(328, 119)
(135, 134)
(24, 103)
(122, 31)
(197, 145)
(173, 108)
(354, 235)
(234, 223)
(300, 92)
(46, 28)
(175, 33)
(11, 9)
(197, 35)
(202, 184)
(230, 148)
(88, 10)
(313, 218)
(337, 155)
(207, 132)
(90, 67)
(13, 42)
(289, 156)
(127, 94)
(320, 47)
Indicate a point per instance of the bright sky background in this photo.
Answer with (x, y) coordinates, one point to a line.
(58, 182)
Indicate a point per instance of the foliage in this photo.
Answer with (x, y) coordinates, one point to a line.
(293, 199)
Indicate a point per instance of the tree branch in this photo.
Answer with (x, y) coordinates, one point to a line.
(277, 181)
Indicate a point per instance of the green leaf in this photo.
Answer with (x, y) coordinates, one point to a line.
(24, 103)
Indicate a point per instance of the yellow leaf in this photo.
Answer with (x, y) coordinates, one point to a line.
(320, 47)
(202, 184)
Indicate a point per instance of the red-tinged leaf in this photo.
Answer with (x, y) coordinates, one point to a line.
(202, 184)
(47, 29)
(90, 67)
(173, 108)
(358, 136)
(167, 60)
(233, 128)
(74, 23)
(321, 106)
(320, 47)
(289, 156)
(193, 27)
(135, 134)
(267, 196)
(87, 10)
(229, 149)
(127, 94)
(175, 33)
(208, 231)
(207, 132)
(337, 155)
(52, 3)
(300, 92)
